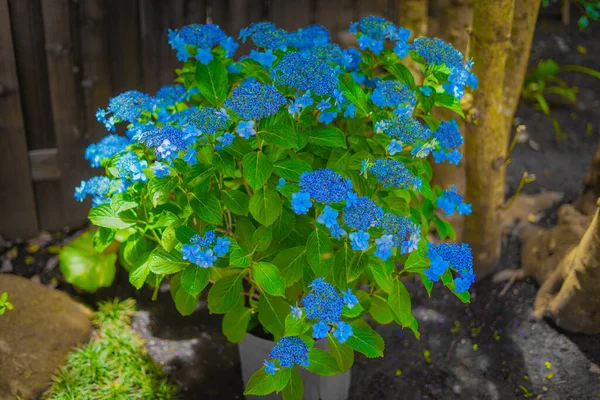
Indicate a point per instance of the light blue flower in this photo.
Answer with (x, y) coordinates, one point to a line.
(246, 129)
(270, 367)
(342, 332)
(222, 246)
(328, 217)
(349, 298)
(394, 147)
(280, 183)
(359, 240)
(160, 170)
(384, 246)
(296, 311)
(320, 330)
(301, 202)
(204, 56)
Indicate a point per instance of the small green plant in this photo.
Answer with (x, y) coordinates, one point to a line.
(544, 81)
(5, 304)
(590, 9)
(114, 365)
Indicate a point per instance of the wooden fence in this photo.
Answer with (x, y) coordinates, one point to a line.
(62, 59)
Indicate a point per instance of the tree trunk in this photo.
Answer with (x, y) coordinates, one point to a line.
(486, 138)
(521, 37)
(414, 15)
(570, 294)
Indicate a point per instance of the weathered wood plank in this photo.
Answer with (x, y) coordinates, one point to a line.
(244, 13)
(123, 47)
(30, 55)
(290, 15)
(336, 16)
(19, 217)
(158, 59)
(373, 7)
(96, 70)
(66, 97)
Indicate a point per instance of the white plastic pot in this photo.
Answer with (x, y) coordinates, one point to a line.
(254, 351)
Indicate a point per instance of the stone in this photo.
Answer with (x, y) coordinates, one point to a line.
(36, 336)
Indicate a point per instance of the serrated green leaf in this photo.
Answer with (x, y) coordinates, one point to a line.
(257, 169)
(169, 236)
(354, 94)
(104, 216)
(85, 268)
(185, 302)
(295, 388)
(225, 294)
(269, 278)
(140, 271)
(380, 311)
(281, 135)
(402, 73)
(194, 279)
(224, 163)
(291, 263)
(265, 206)
(272, 312)
(239, 257)
(365, 340)
(207, 206)
(291, 168)
(328, 137)
(235, 201)
(342, 353)
(235, 324)
(319, 251)
(260, 383)
(322, 363)
(295, 326)
(122, 202)
(281, 227)
(103, 238)
(163, 263)
(212, 81)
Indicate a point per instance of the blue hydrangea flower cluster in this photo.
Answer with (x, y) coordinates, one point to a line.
(265, 35)
(325, 186)
(404, 233)
(455, 256)
(305, 72)
(200, 250)
(435, 51)
(394, 174)
(197, 121)
(166, 140)
(393, 94)
(450, 201)
(130, 167)
(255, 100)
(201, 39)
(98, 153)
(325, 305)
(329, 219)
(372, 32)
(290, 351)
(449, 139)
(404, 128)
(168, 96)
(101, 188)
(309, 37)
(127, 106)
(362, 213)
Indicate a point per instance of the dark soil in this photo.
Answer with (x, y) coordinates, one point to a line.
(488, 349)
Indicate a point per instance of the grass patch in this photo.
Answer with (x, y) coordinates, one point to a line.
(113, 365)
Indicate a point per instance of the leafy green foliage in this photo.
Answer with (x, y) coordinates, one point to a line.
(84, 267)
(109, 366)
(243, 189)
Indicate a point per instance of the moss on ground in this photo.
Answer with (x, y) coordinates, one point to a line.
(113, 365)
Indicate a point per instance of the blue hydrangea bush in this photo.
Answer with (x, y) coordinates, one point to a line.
(290, 186)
